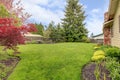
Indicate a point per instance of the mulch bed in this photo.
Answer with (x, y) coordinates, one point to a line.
(88, 72)
(11, 64)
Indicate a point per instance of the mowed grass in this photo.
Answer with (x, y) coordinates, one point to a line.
(62, 61)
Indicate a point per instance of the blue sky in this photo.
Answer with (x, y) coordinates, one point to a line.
(45, 11)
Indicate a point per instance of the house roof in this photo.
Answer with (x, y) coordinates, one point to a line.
(32, 35)
(99, 36)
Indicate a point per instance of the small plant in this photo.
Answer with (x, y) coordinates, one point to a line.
(99, 52)
(114, 67)
(98, 55)
(96, 48)
(2, 73)
(104, 76)
(97, 73)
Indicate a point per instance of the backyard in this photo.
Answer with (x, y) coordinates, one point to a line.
(62, 61)
(42, 40)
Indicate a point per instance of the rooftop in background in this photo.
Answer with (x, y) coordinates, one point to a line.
(32, 35)
(97, 35)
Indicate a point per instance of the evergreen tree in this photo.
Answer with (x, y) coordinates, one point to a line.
(73, 23)
(49, 29)
(91, 36)
(57, 34)
(40, 29)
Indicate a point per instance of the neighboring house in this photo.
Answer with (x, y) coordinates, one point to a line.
(111, 26)
(97, 38)
(33, 37)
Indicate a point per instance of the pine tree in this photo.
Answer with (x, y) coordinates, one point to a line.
(73, 23)
(49, 29)
(40, 29)
(57, 33)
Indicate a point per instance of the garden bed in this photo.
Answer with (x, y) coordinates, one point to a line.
(7, 66)
(104, 64)
(89, 72)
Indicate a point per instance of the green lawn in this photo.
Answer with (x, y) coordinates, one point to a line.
(62, 61)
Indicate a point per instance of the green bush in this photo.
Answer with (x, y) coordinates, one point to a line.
(114, 67)
(113, 52)
(105, 47)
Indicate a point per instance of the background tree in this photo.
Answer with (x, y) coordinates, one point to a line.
(73, 23)
(91, 36)
(49, 29)
(40, 29)
(57, 34)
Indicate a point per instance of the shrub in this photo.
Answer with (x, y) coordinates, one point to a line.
(96, 48)
(114, 67)
(113, 52)
(99, 52)
(98, 55)
(104, 47)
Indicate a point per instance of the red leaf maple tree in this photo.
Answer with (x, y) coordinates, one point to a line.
(15, 7)
(11, 35)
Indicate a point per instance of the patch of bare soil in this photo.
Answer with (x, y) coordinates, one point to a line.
(88, 72)
(9, 65)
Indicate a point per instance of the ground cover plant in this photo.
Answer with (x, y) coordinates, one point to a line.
(62, 61)
(7, 64)
(113, 62)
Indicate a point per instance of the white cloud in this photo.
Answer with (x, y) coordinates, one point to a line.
(94, 22)
(45, 11)
(95, 10)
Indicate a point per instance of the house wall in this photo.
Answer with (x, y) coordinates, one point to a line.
(115, 39)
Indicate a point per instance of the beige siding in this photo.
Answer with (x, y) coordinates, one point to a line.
(115, 40)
